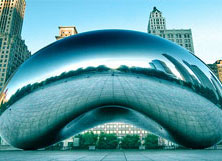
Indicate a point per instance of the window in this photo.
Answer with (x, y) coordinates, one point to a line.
(186, 35)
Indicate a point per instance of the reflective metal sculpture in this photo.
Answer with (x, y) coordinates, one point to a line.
(112, 75)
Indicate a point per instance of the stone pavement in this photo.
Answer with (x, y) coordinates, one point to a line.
(107, 155)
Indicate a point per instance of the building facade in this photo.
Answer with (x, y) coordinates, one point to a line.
(157, 26)
(217, 68)
(65, 31)
(13, 51)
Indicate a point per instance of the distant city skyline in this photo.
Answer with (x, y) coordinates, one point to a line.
(43, 17)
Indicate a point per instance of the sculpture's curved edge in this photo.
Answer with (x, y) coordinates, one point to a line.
(134, 53)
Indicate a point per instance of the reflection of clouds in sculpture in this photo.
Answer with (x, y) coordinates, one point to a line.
(111, 63)
(76, 83)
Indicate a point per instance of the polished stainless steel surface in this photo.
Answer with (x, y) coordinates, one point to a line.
(112, 75)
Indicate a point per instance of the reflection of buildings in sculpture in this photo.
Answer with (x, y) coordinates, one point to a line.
(214, 69)
(3, 96)
(153, 103)
(205, 82)
(65, 31)
(161, 66)
(157, 26)
(13, 50)
(120, 129)
(184, 73)
(217, 85)
(217, 68)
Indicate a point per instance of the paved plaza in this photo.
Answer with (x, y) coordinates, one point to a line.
(106, 155)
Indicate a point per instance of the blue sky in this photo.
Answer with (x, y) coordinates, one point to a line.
(204, 17)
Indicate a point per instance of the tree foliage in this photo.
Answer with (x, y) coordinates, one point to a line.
(131, 142)
(151, 141)
(107, 141)
(87, 139)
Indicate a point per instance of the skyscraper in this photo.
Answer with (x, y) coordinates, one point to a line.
(157, 26)
(13, 51)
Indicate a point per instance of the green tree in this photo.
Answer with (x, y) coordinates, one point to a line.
(151, 141)
(107, 141)
(87, 139)
(130, 142)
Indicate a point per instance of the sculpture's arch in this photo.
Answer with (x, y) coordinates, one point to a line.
(112, 75)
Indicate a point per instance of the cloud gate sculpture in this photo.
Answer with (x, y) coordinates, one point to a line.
(112, 75)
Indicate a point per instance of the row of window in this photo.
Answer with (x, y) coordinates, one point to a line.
(187, 45)
(156, 15)
(5, 47)
(121, 132)
(3, 64)
(7, 0)
(3, 60)
(7, 51)
(156, 23)
(118, 129)
(186, 36)
(4, 56)
(7, 8)
(114, 126)
(157, 27)
(157, 19)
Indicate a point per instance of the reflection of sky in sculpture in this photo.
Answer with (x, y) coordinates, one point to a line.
(106, 48)
(64, 84)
